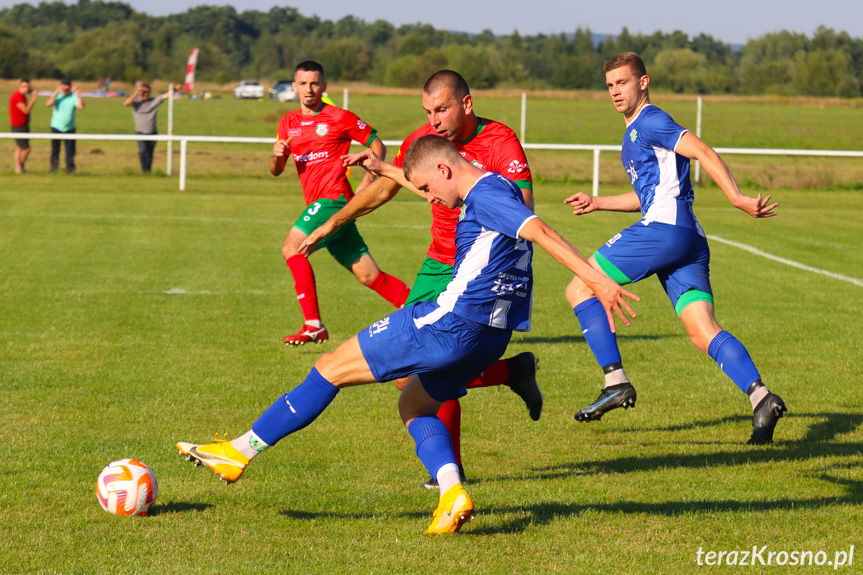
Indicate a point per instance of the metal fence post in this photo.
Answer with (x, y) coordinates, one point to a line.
(170, 167)
(698, 133)
(183, 147)
(523, 116)
(345, 100)
(596, 172)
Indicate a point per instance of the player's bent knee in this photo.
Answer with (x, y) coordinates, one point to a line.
(366, 270)
(415, 402)
(577, 292)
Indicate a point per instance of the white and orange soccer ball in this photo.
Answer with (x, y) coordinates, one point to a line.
(127, 487)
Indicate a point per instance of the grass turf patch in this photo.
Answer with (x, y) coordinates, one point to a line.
(135, 316)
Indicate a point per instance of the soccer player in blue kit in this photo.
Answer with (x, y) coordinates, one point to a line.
(667, 242)
(441, 344)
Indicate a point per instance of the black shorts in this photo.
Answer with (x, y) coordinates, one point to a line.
(23, 144)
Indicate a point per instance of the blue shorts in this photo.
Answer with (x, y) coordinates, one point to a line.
(444, 349)
(678, 256)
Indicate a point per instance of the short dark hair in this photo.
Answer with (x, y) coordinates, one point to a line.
(310, 66)
(447, 79)
(630, 59)
(422, 150)
(145, 85)
(24, 80)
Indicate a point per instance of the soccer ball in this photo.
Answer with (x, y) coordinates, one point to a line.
(127, 487)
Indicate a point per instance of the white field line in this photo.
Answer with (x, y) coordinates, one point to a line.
(791, 263)
(721, 240)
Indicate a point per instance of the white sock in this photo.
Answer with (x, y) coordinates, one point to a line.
(249, 445)
(758, 395)
(314, 323)
(447, 476)
(616, 377)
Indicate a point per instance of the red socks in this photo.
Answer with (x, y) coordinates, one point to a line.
(391, 289)
(388, 287)
(304, 284)
(497, 374)
(450, 414)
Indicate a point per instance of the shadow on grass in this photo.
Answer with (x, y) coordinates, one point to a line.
(577, 338)
(317, 515)
(816, 443)
(546, 513)
(178, 507)
(833, 424)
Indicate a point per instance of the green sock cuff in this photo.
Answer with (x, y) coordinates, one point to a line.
(691, 296)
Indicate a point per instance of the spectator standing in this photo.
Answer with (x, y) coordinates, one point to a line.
(66, 101)
(19, 121)
(144, 110)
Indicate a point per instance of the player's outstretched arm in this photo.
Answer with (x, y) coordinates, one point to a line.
(364, 202)
(694, 147)
(373, 164)
(379, 150)
(607, 291)
(582, 203)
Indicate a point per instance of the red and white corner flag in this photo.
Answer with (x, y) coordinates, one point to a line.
(189, 84)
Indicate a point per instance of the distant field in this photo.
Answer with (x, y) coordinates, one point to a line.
(581, 118)
(135, 316)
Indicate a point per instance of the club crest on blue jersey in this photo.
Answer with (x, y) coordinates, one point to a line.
(633, 135)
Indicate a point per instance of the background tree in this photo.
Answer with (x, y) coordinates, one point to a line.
(94, 38)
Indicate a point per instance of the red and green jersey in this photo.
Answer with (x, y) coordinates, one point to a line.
(493, 147)
(318, 142)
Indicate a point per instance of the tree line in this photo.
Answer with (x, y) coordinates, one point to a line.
(95, 39)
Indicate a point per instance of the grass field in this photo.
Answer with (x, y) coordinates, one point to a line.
(135, 316)
(552, 117)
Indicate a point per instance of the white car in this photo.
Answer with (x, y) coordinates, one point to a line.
(249, 89)
(283, 91)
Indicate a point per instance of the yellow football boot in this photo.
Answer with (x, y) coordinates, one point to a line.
(454, 510)
(225, 461)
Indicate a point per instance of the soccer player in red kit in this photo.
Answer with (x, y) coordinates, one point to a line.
(487, 144)
(317, 136)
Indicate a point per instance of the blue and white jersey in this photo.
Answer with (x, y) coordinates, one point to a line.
(492, 281)
(659, 176)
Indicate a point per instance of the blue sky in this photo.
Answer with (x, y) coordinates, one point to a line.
(732, 21)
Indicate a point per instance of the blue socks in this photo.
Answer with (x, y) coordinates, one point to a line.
(594, 326)
(296, 409)
(734, 360)
(725, 349)
(434, 445)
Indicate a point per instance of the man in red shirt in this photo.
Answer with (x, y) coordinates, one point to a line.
(19, 121)
(490, 146)
(317, 136)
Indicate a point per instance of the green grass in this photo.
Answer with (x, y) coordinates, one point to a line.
(100, 362)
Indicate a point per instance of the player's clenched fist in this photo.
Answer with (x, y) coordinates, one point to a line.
(282, 147)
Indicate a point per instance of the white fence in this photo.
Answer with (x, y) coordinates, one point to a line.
(595, 148)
